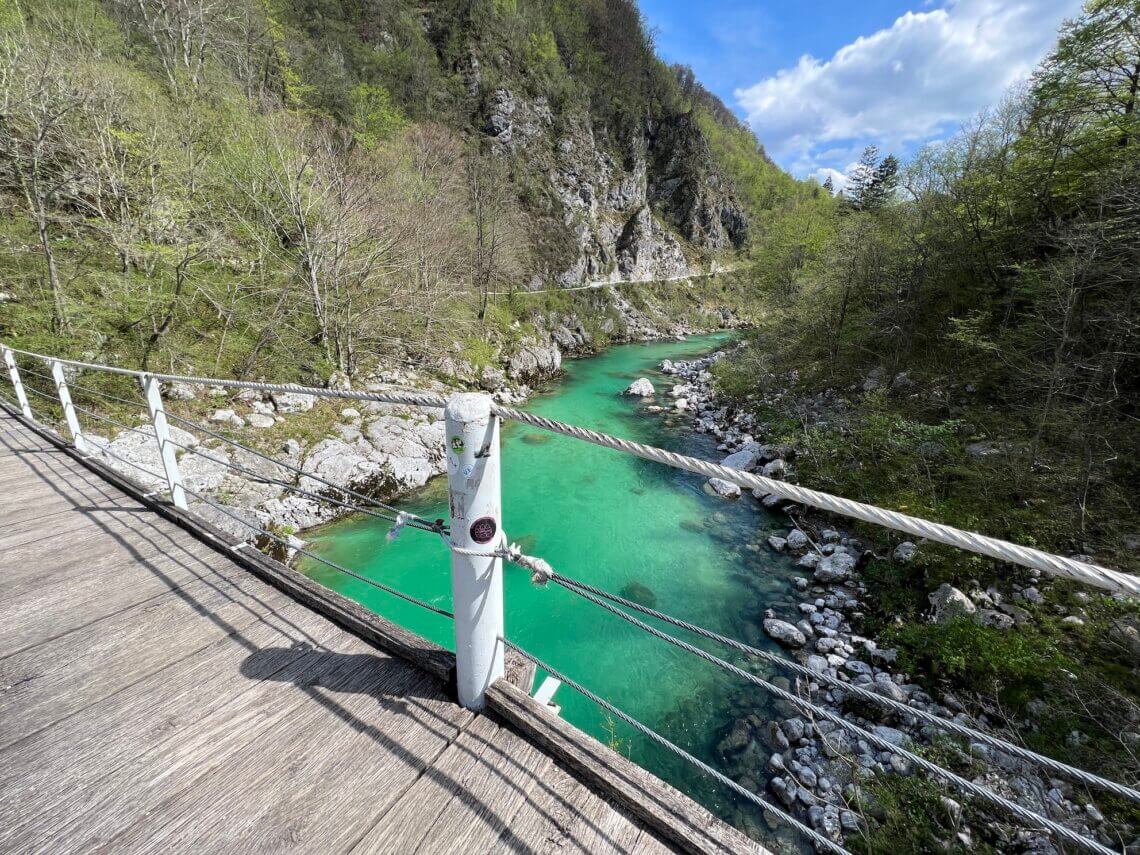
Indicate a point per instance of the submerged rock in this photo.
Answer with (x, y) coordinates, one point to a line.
(640, 593)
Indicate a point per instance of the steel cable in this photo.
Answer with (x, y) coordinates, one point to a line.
(1080, 571)
(969, 787)
(301, 551)
(935, 720)
(755, 798)
(417, 521)
(1055, 565)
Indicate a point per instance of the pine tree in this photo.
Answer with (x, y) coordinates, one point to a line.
(872, 182)
(884, 182)
(829, 186)
(861, 178)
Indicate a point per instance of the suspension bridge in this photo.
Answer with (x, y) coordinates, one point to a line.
(164, 683)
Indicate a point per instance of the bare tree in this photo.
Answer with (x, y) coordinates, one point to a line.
(182, 33)
(498, 237)
(38, 147)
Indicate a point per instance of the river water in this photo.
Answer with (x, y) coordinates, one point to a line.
(620, 523)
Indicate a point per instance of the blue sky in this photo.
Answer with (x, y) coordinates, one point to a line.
(818, 81)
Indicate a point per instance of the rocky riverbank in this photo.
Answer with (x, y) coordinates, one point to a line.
(379, 450)
(812, 767)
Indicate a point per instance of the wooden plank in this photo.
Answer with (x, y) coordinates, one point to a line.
(545, 819)
(566, 817)
(36, 607)
(40, 772)
(69, 525)
(338, 608)
(406, 821)
(601, 827)
(382, 726)
(53, 680)
(678, 818)
(100, 543)
(126, 793)
(480, 817)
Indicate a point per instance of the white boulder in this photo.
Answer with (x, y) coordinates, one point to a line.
(641, 388)
(784, 633)
(724, 489)
(293, 402)
(743, 460)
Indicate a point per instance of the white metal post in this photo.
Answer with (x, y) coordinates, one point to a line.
(69, 414)
(152, 387)
(17, 383)
(476, 523)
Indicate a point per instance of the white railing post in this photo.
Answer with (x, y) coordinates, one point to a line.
(476, 523)
(17, 383)
(152, 388)
(69, 414)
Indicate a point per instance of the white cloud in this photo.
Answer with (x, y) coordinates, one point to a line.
(838, 179)
(903, 85)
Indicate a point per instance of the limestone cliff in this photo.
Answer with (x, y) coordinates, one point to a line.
(654, 206)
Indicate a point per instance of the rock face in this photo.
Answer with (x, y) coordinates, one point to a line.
(647, 250)
(641, 387)
(535, 362)
(139, 448)
(690, 192)
(619, 204)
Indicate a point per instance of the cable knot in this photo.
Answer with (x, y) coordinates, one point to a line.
(540, 571)
(402, 519)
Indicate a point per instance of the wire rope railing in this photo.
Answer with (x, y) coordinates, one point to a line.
(656, 737)
(475, 623)
(946, 724)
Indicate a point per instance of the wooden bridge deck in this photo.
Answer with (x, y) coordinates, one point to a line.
(156, 696)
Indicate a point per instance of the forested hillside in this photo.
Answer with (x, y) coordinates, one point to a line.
(960, 339)
(292, 188)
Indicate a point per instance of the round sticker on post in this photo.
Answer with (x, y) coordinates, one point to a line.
(483, 529)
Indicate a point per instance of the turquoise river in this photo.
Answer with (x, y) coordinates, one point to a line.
(622, 524)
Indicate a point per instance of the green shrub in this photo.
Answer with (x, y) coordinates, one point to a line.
(978, 658)
(907, 815)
